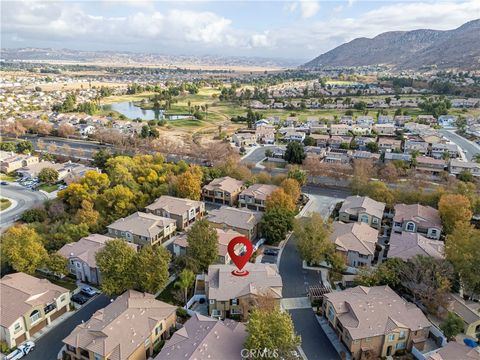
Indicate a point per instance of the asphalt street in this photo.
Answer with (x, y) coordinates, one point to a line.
(49, 345)
(25, 198)
(470, 147)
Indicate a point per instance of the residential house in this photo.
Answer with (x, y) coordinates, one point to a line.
(129, 328)
(362, 209)
(407, 245)
(418, 219)
(184, 211)
(384, 129)
(143, 229)
(365, 120)
(361, 129)
(291, 134)
(255, 196)
(180, 244)
(347, 120)
(291, 121)
(455, 167)
(413, 146)
(265, 134)
(322, 140)
(318, 128)
(358, 154)
(339, 156)
(229, 294)
(390, 156)
(244, 139)
(447, 120)
(204, 337)
(432, 138)
(27, 305)
(335, 141)
(385, 119)
(11, 162)
(339, 129)
(224, 190)
(442, 151)
(469, 311)
(388, 144)
(374, 322)
(356, 242)
(363, 141)
(426, 119)
(81, 257)
(244, 221)
(430, 165)
(401, 120)
(454, 350)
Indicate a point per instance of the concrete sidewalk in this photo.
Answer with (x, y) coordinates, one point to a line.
(332, 336)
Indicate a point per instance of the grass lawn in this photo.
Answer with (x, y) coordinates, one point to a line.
(4, 204)
(168, 296)
(5, 177)
(66, 282)
(48, 188)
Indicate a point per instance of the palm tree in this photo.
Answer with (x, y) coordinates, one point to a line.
(206, 111)
(189, 103)
(185, 281)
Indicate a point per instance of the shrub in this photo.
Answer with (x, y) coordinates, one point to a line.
(182, 313)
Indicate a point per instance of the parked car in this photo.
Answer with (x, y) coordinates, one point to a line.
(87, 290)
(79, 299)
(21, 351)
(3, 183)
(271, 252)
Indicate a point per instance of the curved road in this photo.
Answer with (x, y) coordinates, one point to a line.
(25, 198)
(464, 144)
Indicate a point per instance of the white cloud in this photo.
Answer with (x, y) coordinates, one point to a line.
(309, 8)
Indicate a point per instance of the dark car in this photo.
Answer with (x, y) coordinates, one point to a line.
(3, 183)
(270, 252)
(79, 299)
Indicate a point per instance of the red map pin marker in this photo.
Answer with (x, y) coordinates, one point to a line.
(240, 260)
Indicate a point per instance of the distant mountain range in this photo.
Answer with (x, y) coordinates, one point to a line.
(132, 58)
(417, 49)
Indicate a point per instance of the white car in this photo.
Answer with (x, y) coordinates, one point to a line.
(87, 290)
(21, 351)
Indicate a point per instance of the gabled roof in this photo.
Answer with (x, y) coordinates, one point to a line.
(455, 351)
(373, 311)
(173, 205)
(359, 237)
(259, 191)
(122, 326)
(142, 224)
(225, 184)
(354, 204)
(263, 279)
(424, 216)
(203, 337)
(407, 245)
(238, 218)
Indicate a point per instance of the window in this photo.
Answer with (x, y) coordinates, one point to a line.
(216, 313)
(374, 221)
(17, 328)
(158, 329)
(368, 339)
(364, 219)
(402, 335)
(235, 311)
(400, 346)
(212, 301)
(234, 301)
(97, 357)
(147, 342)
(391, 337)
(331, 314)
(410, 226)
(35, 316)
(433, 232)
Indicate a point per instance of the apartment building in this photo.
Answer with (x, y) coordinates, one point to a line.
(224, 190)
(418, 219)
(362, 209)
(244, 221)
(255, 196)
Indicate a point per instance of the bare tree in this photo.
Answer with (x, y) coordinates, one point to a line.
(66, 130)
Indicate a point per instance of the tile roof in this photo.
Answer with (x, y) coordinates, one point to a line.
(373, 311)
(455, 351)
(86, 248)
(262, 279)
(359, 237)
(203, 338)
(224, 183)
(259, 191)
(19, 292)
(424, 216)
(122, 326)
(173, 205)
(353, 204)
(238, 218)
(142, 224)
(407, 245)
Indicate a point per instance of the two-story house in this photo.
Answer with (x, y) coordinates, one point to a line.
(224, 190)
(417, 218)
(127, 329)
(407, 245)
(374, 322)
(184, 211)
(265, 134)
(389, 144)
(362, 209)
(229, 294)
(255, 196)
(28, 304)
(441, 151)
(384, 129)
(11, 162)
(143, 229)
(456, 167)
(356, 242)
(245, 221)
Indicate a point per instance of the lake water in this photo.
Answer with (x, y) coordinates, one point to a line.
(132, 112)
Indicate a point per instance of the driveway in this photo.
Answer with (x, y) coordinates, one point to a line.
(49, 345)
(323, 200)
(466, 145)
(25, 198)
(257, 154)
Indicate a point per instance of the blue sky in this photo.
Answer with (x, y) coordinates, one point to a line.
(297, 29)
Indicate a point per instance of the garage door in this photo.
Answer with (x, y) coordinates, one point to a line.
(37, 327)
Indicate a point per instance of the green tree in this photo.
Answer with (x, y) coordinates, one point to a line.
(48, 175)
(387, 273)
(298, 174)
(115, 262)
(116, 202)
(24, 147)
(294, 154)
(57, 264)
(452, 325)
(100, 158)
(150, 268)
(185, 282)
(272, 330)
(22, 248)
(34, 215)
(314, 244)
(463, 251)
(202, 241)
(309, 141)
(276, 223)
(466, 176)
(74, 195)
(360, 105)
(373, 147)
